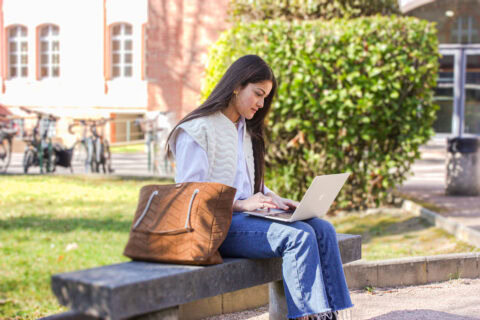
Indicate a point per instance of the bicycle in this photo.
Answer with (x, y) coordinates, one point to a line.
(40, 150)
(6, 137)
(93, 150)
(155, 136)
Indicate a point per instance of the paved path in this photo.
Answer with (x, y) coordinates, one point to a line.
(124, 164)
(451, 300)
(428, 185)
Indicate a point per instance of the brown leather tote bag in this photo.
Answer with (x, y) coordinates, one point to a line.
(181, 223)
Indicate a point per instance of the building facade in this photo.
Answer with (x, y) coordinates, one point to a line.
(458, 85)
(106, 58)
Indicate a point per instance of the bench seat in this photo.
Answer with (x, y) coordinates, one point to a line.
(129, 289)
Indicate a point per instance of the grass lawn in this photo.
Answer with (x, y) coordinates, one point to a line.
(53, 224)
(389, 236)
(56, 224)
(131, 148)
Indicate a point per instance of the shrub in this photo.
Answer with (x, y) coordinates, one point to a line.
(354, 96)
(307, 10)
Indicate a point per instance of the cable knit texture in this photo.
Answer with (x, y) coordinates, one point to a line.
(218, 136)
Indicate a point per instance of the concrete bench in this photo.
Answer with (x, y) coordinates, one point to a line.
(157, 291)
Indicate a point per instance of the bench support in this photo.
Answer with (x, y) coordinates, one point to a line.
(277, 306)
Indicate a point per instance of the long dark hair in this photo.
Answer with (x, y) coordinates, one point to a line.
(247, 69)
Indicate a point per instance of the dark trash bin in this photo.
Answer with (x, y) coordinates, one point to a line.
(462, 166)
(63, 156)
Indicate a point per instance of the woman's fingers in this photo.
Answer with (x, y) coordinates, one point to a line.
(275, 202)
(264, 197)
(281, 204)
(268, 202)
(268, 205)
(278, 201)
(292, 204)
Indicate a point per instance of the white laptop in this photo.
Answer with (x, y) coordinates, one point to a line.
(315, 203)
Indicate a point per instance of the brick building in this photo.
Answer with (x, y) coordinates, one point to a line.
(458, 87)
(105, 58)
(123, 58)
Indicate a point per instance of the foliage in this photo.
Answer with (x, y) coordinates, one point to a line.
(354, 96)
(307, 10)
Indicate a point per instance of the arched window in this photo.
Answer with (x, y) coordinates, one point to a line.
(17, 52)
(49, 51)
(465, 30)
(122, 50)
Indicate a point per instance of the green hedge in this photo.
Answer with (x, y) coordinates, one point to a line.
(308, 9)
(354, 95)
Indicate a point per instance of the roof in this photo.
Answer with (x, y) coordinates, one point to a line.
(409, 5)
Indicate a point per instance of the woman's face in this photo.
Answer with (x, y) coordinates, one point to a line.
(251, 98)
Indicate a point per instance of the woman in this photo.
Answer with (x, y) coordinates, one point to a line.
(223, 141)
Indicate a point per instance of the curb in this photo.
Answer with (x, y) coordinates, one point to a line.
(460, 231)
(412, 271)
(359, 274)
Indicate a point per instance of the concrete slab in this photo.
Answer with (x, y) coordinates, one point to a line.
(469, 267)
(402, 272)
(442, 267)
(133, 288)
(361, 274)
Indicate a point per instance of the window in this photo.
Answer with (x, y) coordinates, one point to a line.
(464, 30)
(17, 52)
(49, 51)
(20, 125)
(50, 126)
(122, 48)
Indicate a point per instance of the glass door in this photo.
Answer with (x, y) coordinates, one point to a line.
(471, 90)
(447, 93)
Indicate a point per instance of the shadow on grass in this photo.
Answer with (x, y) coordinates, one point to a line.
(64, 225)
(387, 227)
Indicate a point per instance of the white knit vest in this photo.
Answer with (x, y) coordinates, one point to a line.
(218, 136)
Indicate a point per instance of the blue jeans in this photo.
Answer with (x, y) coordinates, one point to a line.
(312, 268)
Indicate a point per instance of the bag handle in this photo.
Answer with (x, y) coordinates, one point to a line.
(171, 232)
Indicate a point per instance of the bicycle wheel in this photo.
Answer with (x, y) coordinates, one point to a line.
(80, 156)
(5, 154)
(28, 158)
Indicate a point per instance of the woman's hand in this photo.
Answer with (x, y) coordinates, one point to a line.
(283, 203)
(262, 201)
(257, 201)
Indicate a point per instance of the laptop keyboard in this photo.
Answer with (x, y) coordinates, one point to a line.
(285, 214)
